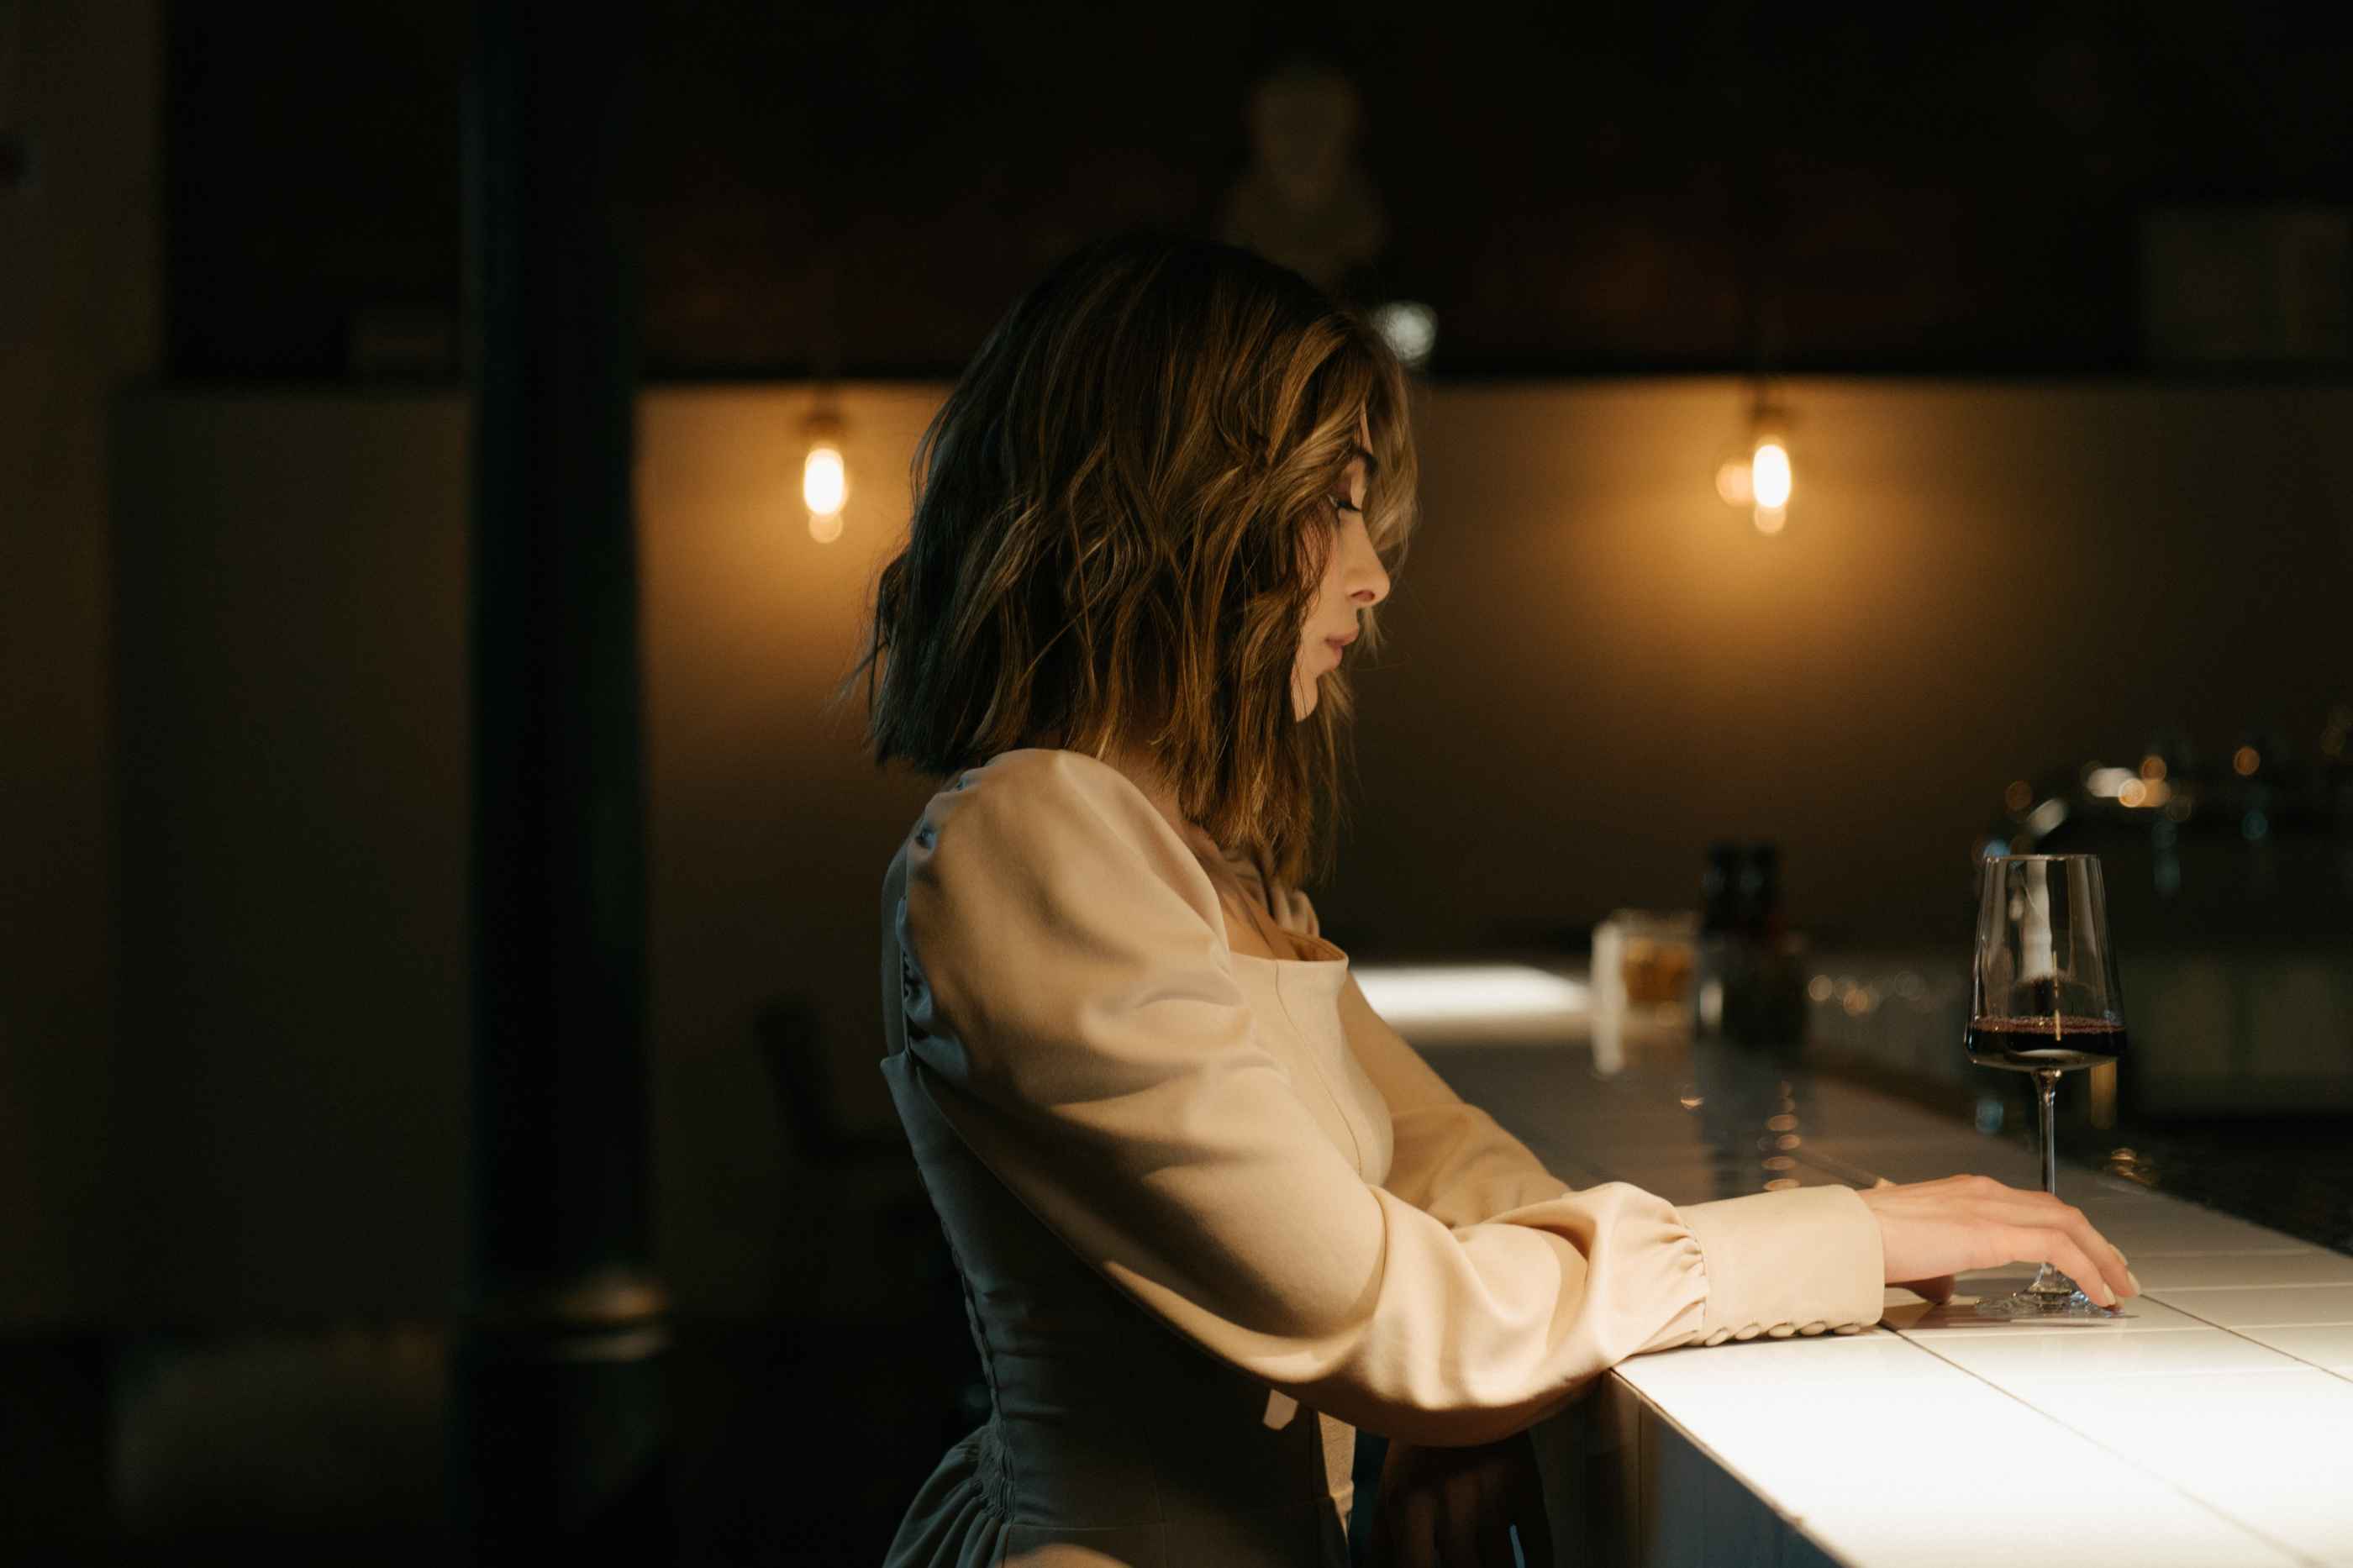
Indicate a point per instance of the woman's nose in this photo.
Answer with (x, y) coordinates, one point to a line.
(1368, 582)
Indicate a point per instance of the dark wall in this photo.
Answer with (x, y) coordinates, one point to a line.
(289, 1126)
(79, 315)
(1573, 188)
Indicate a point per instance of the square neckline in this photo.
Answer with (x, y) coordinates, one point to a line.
(1299, 938)
(1339, 957)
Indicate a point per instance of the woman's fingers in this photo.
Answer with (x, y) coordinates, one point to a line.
(2101, 1253)
(2096, 1252)
(1932, 1229)
(2056, 1248)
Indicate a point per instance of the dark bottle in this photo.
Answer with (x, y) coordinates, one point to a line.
(1720, 937)
(1720, 890)
(1764, 999)
(1760, 895)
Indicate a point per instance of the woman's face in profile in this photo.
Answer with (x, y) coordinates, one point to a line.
(1353, 579)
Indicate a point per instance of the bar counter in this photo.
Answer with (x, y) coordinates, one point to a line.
(2211, 1424)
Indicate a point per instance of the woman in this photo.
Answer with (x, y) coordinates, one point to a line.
(1211, 1213)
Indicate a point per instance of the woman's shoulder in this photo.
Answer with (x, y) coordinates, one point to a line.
(1055, 784)
(1041, 807)
(1046, 783)
(1036, 851)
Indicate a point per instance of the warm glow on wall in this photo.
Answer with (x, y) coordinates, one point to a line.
(1732, 482)
(825, 478)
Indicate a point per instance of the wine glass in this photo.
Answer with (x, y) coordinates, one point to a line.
(2045, 999)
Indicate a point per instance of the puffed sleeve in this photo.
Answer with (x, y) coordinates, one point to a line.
(1079, 1020)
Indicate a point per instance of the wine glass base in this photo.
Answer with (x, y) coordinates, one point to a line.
(2041, 1305)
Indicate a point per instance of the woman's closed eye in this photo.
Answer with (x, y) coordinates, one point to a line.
(1340, 503)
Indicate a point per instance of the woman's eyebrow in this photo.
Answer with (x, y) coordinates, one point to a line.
(1372, 464)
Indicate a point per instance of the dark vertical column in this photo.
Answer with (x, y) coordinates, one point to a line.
(562, 1427)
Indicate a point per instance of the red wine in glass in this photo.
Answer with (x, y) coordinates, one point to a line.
(2045, 999)
(2029, 1045)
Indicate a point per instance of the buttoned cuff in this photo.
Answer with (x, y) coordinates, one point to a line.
(1792, 1262)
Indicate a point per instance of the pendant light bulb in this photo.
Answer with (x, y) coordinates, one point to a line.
(1756, 475)
(1768, 471)
(825, 478)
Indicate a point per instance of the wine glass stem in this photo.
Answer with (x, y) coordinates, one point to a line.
(2049, 1281)
(2047, 1079)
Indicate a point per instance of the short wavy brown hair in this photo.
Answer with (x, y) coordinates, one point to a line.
(1122, 516)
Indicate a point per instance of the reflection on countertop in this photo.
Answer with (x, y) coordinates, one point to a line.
(2260, 1128)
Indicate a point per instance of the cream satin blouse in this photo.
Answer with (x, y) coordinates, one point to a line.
(1211, 1212)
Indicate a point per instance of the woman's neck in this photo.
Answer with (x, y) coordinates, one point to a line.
(1143, 771)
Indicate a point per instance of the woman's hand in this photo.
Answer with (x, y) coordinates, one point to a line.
(1932, 1230)
(1454, 1508)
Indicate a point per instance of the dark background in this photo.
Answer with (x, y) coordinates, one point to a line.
(1606, 187)
(2039, 524)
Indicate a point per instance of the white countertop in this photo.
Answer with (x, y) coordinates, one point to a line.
(2211, 1424)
